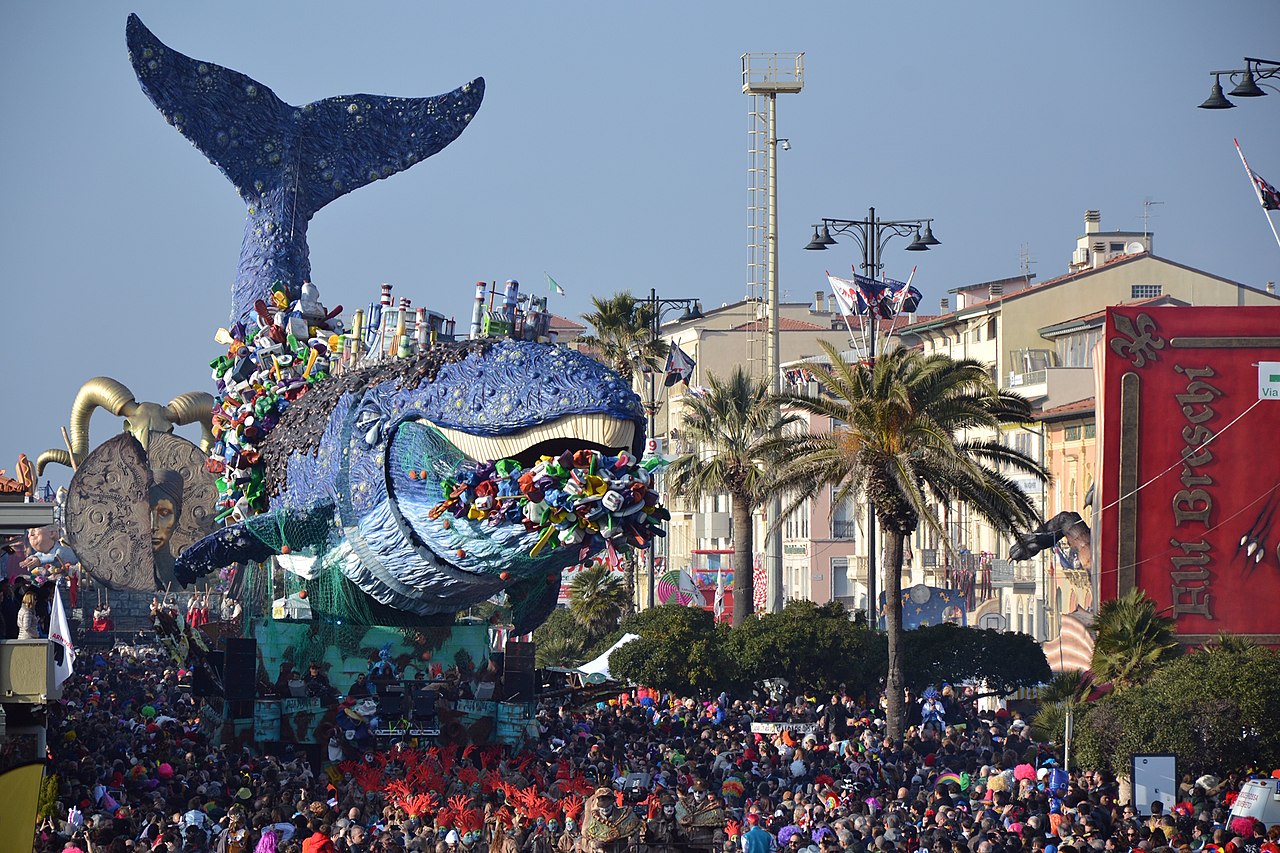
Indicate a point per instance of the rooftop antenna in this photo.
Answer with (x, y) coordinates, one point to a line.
(1025, 260)
(1146, 215)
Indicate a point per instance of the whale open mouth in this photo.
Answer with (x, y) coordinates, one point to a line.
(572, 432)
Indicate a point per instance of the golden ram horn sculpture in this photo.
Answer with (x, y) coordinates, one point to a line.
(103, 392)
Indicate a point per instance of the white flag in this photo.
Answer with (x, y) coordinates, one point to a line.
(845, 293)
(719, 605)
(690, 588)
(60, 634)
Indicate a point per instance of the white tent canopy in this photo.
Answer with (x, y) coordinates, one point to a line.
(598, 669)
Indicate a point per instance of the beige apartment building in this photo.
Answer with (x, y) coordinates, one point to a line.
(724, 338)
(1038, 339)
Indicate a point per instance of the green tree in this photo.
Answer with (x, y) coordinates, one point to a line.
(560, 640)
(622, 334)
(1214, 710)
(680, 649)
(1063, 695)
(728, 429)
(1131, 640)
(1004, 660)
(597, 600)
(903, 435)
(622, 338)
(815, 647)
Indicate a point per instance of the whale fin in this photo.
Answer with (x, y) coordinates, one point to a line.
(379, 135)
(232, 544)
(287, 162)
(256, 539)
(254, 137)
(228, 116)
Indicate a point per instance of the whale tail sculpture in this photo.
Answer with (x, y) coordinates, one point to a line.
(287, 162)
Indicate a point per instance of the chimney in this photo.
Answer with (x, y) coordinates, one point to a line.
(945, 305)
(1271, 287)
(996, 289)
(1092, 221)
(818, 302)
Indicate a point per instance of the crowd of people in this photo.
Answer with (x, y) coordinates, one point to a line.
(136, 769)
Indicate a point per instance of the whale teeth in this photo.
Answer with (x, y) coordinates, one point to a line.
(598, 429)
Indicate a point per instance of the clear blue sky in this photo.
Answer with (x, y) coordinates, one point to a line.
(610, 152)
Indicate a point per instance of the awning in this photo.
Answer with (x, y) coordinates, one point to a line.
(598, 670)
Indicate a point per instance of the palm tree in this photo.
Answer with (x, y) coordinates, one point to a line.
(622, 338)
(622, 334)
(728, 428)
(1131, 640)
(597, 599)
(900, 439)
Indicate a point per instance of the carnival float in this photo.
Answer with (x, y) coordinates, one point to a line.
(361, 478)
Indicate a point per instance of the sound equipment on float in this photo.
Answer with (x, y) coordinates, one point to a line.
(202, 679)
(518, 670)
(240, 669)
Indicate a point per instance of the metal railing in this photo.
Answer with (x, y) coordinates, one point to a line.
(843, 528)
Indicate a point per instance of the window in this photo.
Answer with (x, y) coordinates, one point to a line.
(1076, 350)
(1072, 433)
(844, 524)
(1090, 430)
(1145, 291)
(1117, 247)
(991, 329)
(840, 577)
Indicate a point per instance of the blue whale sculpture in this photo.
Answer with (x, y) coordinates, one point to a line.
(287, 162)
(358, 466)
(358, 463)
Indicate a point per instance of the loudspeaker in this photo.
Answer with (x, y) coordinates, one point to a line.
(520, 657)
(424, 704)
(240, 669)
(518, 666)
(201, 683)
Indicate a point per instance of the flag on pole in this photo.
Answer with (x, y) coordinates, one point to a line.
(690, 588)
(846, 296)
(679, 366)
(905, 297)
(871, 295)
(553, 286)
(719, 604)
(1268, 195)
(60, 636)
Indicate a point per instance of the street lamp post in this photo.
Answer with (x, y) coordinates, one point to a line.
(1247, 86)
(657, 308)
(872, 235)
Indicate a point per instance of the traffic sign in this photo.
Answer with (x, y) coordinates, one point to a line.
(1269, 380)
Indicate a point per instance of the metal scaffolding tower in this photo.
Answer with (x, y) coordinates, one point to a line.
(764, 77)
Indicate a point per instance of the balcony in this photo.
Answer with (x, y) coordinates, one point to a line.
(1052, 386)
(843, 528)
(712, 525)
(1015, 576)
